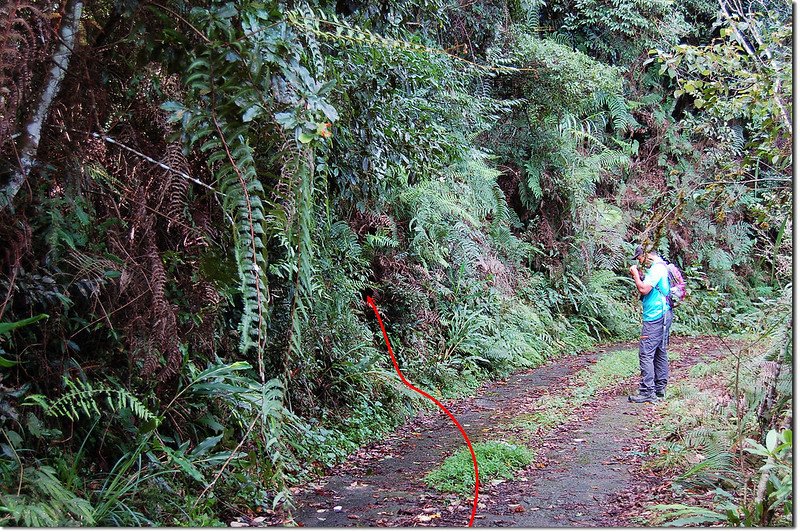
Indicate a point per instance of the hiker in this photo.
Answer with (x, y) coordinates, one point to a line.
(656, 321)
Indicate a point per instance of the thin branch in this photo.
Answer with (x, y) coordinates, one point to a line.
(182, 19)
(151, 160)
(663, 218)
(14, 272)
(739, 182)
(741, 39)
(107, 315)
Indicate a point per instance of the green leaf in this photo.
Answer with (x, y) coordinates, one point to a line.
(149, 425)
(251, 113)
(772, 440)
(185, 465)
(14, 438)
(329, 111)
(6, 327)
(286, 120)
(697, 520)
(206, 445)
(172, 106)
(223, 370)
(227, 11)
(787, 436)
(36, 400)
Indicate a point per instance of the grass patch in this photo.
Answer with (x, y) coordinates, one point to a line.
(552, 410)
(610, 369)
(496, 460)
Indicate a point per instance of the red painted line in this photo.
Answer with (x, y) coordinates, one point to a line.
(371, 303)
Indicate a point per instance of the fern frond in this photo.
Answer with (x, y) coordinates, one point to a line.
(300, 241)
(231, 158)
(46, 502)
(82, 398)
(618, 110)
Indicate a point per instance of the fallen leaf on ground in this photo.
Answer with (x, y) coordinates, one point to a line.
(424, 518)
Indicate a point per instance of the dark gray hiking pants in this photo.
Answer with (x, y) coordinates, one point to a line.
(653, 355)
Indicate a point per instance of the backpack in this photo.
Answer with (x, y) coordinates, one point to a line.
(677, 286)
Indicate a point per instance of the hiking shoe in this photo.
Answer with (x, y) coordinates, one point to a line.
(661, 394)
(639, 398)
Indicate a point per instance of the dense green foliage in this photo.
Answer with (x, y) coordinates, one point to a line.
(219, 185)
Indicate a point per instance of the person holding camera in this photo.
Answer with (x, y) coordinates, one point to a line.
(656, 322)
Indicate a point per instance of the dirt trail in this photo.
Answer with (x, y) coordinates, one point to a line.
(581, 466)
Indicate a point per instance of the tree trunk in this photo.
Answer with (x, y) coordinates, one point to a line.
(33, 129)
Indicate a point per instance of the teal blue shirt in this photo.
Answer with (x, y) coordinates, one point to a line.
(655, 303)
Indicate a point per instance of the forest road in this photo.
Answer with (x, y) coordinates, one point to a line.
(580, 467)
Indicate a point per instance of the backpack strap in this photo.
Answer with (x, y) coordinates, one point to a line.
(666, 296)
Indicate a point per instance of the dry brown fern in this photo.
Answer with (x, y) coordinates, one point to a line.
(146, 316)
(156, 213)
(25, 33)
